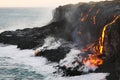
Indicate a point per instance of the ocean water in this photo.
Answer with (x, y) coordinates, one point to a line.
(19, 18)
(16, 64)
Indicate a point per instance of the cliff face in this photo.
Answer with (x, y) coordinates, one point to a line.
(84, 24)
(81, 24)
(87, 20)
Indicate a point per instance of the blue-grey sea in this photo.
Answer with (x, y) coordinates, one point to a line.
(19, 18)
(16, 64)
(11, 66)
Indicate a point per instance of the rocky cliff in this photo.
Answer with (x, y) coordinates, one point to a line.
(80, 24)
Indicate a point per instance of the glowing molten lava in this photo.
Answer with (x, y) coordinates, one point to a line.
(84, 18)
(101, 39)
(97, 49)
(93, 60)
(94, 17)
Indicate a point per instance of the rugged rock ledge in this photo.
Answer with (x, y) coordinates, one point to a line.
(55, 55)
(81, 24)
(66, 24)
(30, 38)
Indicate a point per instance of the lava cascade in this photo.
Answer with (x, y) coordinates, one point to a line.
(97, 49)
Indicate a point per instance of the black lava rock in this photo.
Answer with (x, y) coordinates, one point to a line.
(81, 24)
(54, 55)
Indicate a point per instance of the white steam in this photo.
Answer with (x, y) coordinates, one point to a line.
(40, 65)
(70, 57)
(50, 43)
(74, 59)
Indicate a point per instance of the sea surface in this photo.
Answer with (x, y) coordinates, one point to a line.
(19, 18)
(16, 64)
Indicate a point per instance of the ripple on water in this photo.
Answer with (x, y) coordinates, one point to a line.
(19, 74)
(16, 71)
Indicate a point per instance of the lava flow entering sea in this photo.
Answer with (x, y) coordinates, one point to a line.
(97, 49)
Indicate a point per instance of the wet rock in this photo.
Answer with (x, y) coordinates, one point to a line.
(30, 38)
(67, 71)
(54, 55)
(69, 25)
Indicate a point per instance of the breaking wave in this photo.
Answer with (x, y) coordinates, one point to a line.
(22, 64)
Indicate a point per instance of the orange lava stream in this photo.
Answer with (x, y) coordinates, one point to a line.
(93, 59)
(94, 17)
(101, 39)
(86, 16)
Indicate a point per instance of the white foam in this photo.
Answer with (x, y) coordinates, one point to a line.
(40, 64)
(74, 59)
(50, 43)
(91, 76)
(2, 30)
(27, 58)
(70, 57)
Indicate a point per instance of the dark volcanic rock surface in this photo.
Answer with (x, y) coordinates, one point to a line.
(66, 24)
(81, 24)
(30, 38)
(54, 55)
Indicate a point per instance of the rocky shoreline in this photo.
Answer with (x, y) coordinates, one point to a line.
(79, 24)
